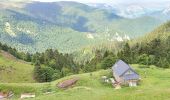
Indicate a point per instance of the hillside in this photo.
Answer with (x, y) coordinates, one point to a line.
(154, 84)
(66, 26)
(162, 32)
(13, 70)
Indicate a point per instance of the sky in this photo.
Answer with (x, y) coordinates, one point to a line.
(116, 2)
(110, 1)
(121, 3)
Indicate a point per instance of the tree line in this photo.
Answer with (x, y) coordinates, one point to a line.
(51, 65)
(155, 52)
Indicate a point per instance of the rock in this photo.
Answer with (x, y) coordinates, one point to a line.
(27, 95)
(67, 83)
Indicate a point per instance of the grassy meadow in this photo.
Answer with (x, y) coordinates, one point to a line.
(14, 70)
(154, 85)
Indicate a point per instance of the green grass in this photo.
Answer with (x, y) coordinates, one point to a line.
(14, 70)
(154, 85)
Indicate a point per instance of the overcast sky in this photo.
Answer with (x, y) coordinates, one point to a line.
(109, 1)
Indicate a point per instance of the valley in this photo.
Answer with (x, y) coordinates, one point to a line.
(68, 50)
(66, 26)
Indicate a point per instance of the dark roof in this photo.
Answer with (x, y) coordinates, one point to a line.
(131, 76)
(120, 67)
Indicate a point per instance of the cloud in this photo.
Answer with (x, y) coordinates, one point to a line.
(82, 1)
(106, 1)
(119, 2)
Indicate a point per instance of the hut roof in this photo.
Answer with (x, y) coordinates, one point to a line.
(120, 68)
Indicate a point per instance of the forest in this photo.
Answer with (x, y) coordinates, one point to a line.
(51, 65)
(156, 52)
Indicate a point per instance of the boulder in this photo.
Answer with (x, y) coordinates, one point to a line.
(67, 83)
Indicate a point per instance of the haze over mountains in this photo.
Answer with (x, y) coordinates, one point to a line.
(135, 10)
(69, 26)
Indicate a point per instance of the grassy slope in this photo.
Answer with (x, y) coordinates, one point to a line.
(14, 70)
(155, 86)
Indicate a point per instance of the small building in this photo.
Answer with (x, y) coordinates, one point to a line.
(124, 74)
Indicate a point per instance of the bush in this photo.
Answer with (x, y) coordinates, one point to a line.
(108, 62)
(44, 74)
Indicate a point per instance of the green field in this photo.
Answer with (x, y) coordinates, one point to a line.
(154, 85)
(14, 70)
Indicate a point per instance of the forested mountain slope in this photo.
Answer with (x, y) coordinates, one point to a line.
(162, 32)
(67, 26)
(152, 49)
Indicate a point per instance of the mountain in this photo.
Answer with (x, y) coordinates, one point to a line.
(102, 6)
(166, 11)
(136, 10)
(67, 26)
(162, 32)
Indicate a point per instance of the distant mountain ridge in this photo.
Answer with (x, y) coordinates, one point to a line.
(132, 10)
(67, 26)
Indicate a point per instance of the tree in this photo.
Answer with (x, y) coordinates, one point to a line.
(36, 58)
(106, 54)
(43, 74)
(66, 71)
(36, 70)
(28, 57)
(46, 74)
(143, 59)
(108, 62)
(154, 47)
(152, 60)
(56, 75)
(48, 55)
(125, 54)
(163, 62)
